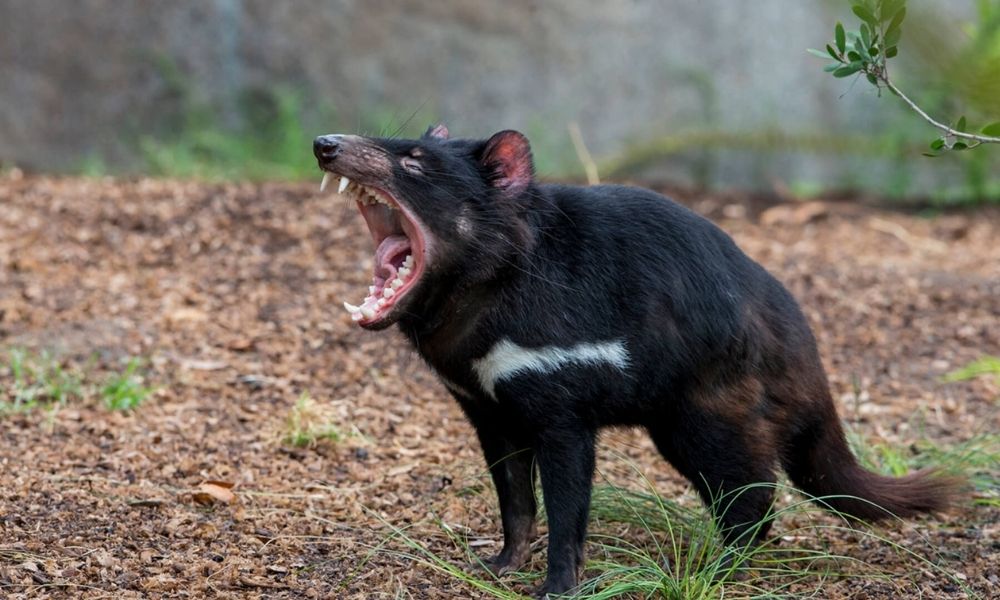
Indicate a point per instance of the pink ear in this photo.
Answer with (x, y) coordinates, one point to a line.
(438, 131)
(508, 154)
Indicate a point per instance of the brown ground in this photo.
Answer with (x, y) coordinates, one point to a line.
(233, 292)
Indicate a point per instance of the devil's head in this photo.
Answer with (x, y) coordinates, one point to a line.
(444, 214)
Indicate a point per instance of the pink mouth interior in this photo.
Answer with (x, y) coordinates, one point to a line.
(389, 256)
(395, 237)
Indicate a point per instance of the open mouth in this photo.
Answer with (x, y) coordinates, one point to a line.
(400, 250)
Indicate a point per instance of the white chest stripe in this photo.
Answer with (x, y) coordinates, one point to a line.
(506, 360)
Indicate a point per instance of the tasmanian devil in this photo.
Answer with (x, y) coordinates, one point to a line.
(550, 311)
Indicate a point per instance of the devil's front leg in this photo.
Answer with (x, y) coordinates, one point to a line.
(511, 463)
(565, 456)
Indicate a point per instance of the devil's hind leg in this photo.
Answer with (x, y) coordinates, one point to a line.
(723, 446)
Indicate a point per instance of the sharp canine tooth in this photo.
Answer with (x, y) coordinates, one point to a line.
(388, 292)
(351, 308)
(396, 283)
(326, 179)
(344, 182)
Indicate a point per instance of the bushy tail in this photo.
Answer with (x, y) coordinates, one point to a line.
(820, 463)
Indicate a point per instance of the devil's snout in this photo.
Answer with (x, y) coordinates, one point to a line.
(327, 147)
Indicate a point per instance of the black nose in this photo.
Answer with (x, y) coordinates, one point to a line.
(326, 147)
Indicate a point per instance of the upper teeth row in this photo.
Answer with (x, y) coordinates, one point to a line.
(362, 194)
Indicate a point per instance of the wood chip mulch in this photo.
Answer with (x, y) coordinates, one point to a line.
(232, 293)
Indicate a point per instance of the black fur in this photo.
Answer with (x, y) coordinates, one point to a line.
(723, 373)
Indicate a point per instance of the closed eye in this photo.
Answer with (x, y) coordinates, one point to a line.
(412, 165)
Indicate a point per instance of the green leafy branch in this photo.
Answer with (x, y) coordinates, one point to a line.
(867, 52)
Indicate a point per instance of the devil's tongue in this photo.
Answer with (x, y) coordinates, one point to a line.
(392, 246)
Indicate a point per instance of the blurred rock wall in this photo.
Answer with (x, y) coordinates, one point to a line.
(78, 78)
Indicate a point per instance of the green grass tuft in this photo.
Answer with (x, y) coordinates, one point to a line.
(125, 391)
(35, 380)
(644, 546)
(987, 365)
(309, 423)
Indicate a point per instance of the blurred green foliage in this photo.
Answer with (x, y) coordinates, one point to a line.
(261, 135)
(266, 134)
(268, 141)
(973, 68)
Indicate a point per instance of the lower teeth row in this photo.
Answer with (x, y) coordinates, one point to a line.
(371, 303)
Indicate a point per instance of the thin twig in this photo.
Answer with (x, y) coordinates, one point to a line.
(878, 70)
(589, 166)
(982, 139)
(899, 232)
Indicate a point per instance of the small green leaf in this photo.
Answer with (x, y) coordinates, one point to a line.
(871, 79)
(959, 146)
(960, 125)
(832, 67)
(937, 144)
(866, 37)
(897, 20)
(993, 129)
(818, 53)
(860, 47)
(873, 51)
(889, 8)
(840, 37)
(865, 15)
(894, 31)
(891, 52)
(853, 56)
(848, 70)
(929, 155)
(832, 52)
(892, 36)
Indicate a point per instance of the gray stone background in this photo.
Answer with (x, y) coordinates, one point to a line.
(83, 78)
